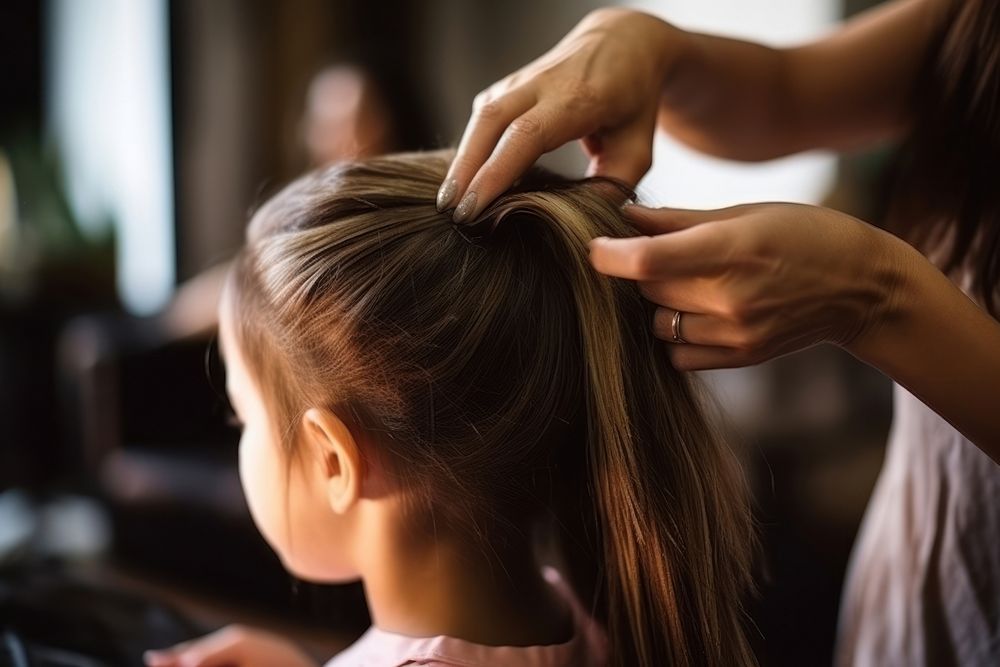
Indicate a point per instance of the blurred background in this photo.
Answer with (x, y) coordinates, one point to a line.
(135, 137)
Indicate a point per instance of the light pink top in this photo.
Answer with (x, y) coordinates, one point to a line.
(378, 648)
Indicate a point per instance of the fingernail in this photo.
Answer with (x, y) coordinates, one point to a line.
(446, 194)
(465, 207)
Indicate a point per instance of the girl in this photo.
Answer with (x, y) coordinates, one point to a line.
(441, 409)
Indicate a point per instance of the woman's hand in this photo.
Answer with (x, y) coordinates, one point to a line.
(232, 646)
(758, 281)
(619, 72)
(601, 83)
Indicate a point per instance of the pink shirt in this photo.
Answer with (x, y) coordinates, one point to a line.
(378, 648)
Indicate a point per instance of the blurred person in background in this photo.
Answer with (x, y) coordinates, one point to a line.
(345, 118)
(742, 285)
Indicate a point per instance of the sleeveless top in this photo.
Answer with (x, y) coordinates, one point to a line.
(923, 584)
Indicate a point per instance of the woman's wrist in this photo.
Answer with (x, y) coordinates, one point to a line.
(936, 342)
(896, 283)
(662, 42)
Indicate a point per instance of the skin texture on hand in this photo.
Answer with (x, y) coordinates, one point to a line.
(759, 281)
(232, 646)
(601, 84)
(753, 282)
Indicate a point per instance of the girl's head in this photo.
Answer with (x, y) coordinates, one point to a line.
(484, 382)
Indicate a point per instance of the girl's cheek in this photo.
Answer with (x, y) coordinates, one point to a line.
(246, 476)
(253, 473)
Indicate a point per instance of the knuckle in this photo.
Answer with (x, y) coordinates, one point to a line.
(522, 77)
(482, 98)
(526, 128)
(580, 96)
(489, 109)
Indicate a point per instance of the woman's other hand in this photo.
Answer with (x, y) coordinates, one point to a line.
(601, 83)
(758, 281)
(620, 72)
(232, 646)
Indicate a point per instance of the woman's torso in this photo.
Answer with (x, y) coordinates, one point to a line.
(923, 586)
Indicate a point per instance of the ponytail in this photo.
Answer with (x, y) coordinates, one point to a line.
(661, 542)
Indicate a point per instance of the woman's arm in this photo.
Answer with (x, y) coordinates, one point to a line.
(620, 73)
(942, 347)
(745, 101)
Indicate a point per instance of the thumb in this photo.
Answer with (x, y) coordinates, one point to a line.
(651, 221)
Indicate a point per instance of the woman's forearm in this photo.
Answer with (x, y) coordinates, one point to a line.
(941, 346)
(721, 96)
(746, 101)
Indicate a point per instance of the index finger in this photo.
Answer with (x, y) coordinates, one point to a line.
(694, 251)
(542, 128)
(490, 118)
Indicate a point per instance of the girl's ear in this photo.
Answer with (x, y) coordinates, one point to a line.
(336, 452)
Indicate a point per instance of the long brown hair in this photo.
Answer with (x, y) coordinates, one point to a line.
(512, 379)
(949, 189)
